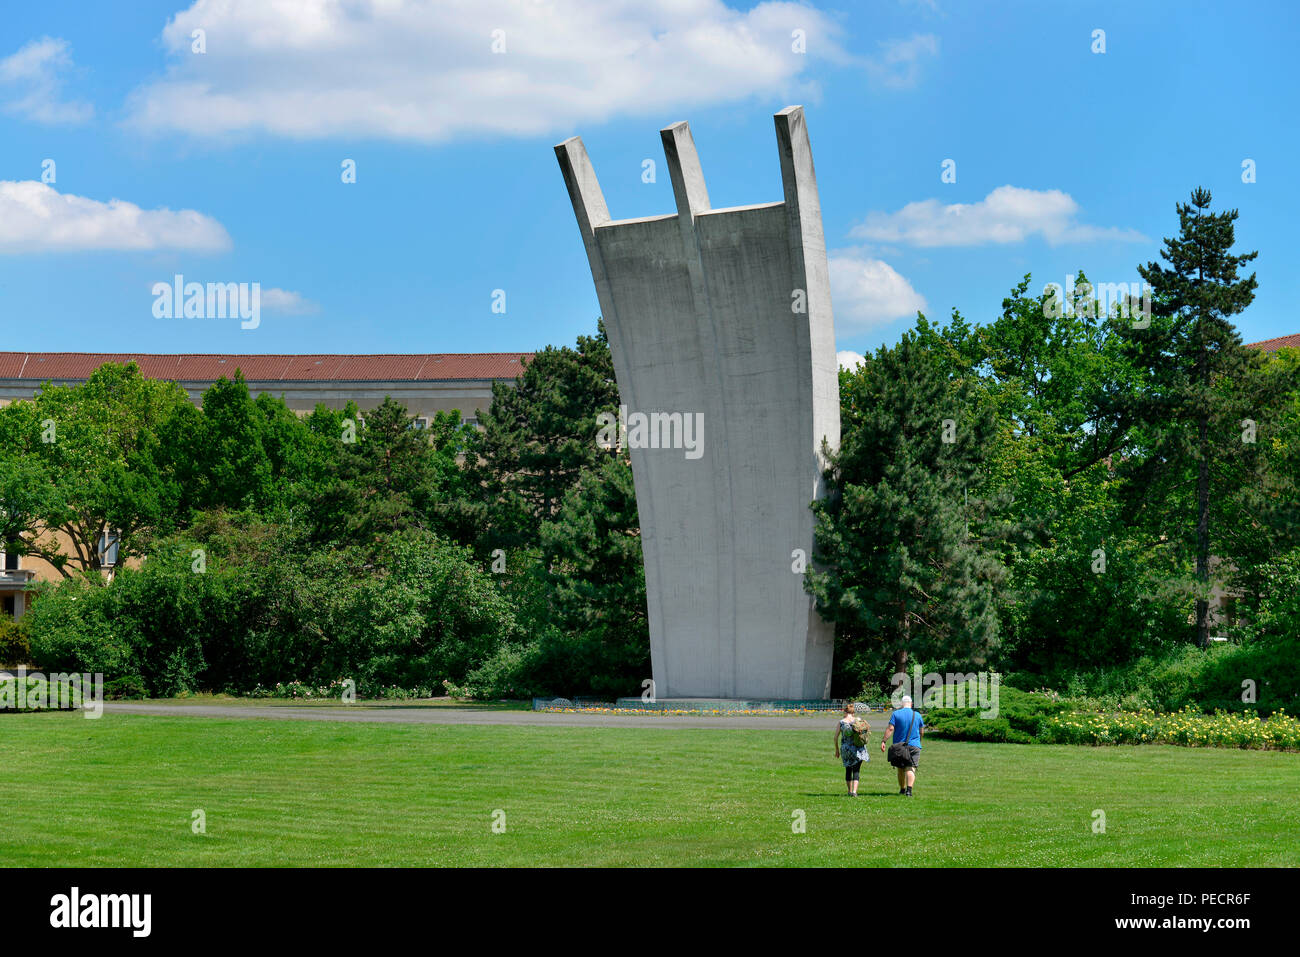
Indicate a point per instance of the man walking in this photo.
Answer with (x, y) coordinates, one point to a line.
(905, 727)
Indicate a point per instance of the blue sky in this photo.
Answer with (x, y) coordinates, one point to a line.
(225, 165)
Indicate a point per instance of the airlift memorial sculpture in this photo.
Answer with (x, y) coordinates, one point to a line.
(724, 317)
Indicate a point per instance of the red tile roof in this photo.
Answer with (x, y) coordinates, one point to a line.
(1281, 342)
(40, 366)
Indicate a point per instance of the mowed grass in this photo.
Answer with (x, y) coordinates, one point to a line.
(120, 791)
(229, 701)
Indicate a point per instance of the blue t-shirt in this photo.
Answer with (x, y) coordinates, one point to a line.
(900, 719)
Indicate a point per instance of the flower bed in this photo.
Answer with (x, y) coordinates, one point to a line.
(1279, 732)
(720, 712)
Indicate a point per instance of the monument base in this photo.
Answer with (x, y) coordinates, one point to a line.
(701, 705)
(730, 704)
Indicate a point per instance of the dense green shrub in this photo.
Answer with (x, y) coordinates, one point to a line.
(1256, 671)
(38, 693)
(1019, 717)
(14, 647)
(247, 606)
(433, 616)
(505, 674)
(125, 688)
(71, 627)
(1209, 679)
(975, 728)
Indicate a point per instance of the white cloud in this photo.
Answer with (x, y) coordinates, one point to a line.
(867, 292)
(31, 84)
(35, 217)
(287, 302)
(848, 360)
(426, 71)
(1009, 214)
(898, 65)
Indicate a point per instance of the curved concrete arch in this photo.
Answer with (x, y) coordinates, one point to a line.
(703, 312)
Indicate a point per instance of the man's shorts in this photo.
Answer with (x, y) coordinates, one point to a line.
(916, 754)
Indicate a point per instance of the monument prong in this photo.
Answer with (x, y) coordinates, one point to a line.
(591, 212)
(684, 168)
(808, 251)
(584, 189)
(798, 177)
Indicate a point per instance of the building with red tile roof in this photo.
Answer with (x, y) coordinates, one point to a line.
(1281, 342)
(424, 383)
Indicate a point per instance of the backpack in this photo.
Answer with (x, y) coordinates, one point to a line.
(859, 732)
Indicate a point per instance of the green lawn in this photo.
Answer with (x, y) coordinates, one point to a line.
(459, 704)
(120, 791)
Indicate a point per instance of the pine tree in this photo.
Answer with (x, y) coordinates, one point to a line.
(897, 566)
(539, 435)
(1202, 389)
(386, 481)
(594, 574)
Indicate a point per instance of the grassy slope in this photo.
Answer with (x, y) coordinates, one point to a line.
(120, 791)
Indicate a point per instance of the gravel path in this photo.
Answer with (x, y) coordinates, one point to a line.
(390, 714)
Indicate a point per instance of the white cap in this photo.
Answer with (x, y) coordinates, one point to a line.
(907, 699)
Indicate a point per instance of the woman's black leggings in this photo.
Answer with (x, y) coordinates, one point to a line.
(851, 772)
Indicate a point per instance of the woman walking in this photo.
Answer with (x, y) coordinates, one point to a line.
(851, 746)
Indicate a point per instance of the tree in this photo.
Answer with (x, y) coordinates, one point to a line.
(27, 492)
(99, 449)
(1201, 388)
(899, 565)
(1083, 589)
(539, 435)
(450, 499)
(382, 475)
(594, 573)
(1260, 520)
(1056, 370)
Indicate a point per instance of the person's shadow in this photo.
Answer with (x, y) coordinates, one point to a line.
(840, 794)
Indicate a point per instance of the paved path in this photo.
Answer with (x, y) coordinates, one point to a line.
(425, 715)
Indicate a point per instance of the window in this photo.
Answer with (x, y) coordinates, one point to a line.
(108, 549)
(10, 560)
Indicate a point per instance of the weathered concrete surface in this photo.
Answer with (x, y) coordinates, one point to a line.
(701, 309)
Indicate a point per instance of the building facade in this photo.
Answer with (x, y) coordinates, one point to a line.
(425, 384)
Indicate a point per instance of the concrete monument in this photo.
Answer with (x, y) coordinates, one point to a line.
(723, 342)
